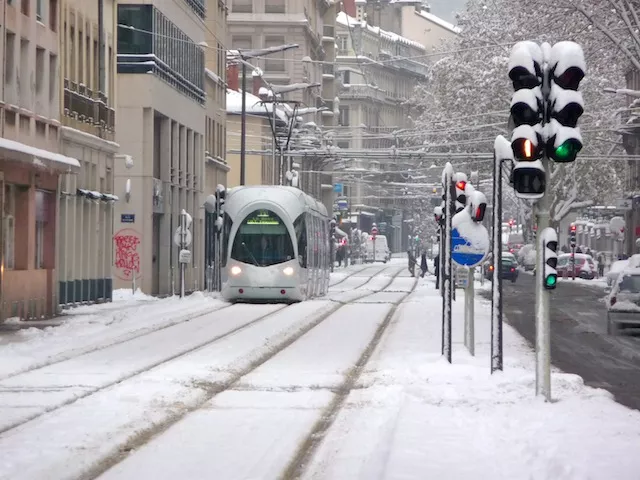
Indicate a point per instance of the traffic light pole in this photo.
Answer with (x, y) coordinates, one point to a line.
(543, 323)
(447, 274)
(496, 261)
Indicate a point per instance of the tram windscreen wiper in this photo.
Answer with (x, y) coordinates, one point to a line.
(255, 262)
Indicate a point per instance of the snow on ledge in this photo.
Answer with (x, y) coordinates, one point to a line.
(39, 154)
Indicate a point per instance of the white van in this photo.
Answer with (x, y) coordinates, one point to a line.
(383, 254)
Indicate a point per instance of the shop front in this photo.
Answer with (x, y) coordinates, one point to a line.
(29, 195)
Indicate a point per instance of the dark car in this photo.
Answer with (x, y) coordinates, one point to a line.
(509, 270)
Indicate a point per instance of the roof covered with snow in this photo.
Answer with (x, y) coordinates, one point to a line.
(348, 21)
(254, 105)
(40, 157)
(439, 21)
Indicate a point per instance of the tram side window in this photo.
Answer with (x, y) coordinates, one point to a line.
(226, 234)
(262, 240)
(300, 226)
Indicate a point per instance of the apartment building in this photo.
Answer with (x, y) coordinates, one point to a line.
(257, 24)
(411, 19)
(31, 165)
(87, 132)
(378, 73)
(161, 111)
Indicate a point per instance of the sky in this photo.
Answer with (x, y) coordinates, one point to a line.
(446, 9)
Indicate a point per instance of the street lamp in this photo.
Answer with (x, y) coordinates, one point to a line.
(244, 56)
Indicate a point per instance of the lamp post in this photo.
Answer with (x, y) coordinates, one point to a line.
(245, 55)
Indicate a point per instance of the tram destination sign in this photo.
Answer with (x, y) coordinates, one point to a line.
(263, 217)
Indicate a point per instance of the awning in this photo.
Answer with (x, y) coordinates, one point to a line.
(36, 157)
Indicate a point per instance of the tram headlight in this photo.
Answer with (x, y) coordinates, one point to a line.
(236, 270)
(288, 271)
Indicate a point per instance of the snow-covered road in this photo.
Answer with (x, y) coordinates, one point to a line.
(348, 386)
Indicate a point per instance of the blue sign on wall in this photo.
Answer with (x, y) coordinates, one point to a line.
(463, 253)
(127, 218)
(338, 188)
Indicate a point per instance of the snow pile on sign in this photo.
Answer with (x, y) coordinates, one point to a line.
(93, 326)
(416, 416)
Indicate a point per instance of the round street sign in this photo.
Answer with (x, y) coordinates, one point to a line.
(469, 241)
(616, 224)
(177, 237)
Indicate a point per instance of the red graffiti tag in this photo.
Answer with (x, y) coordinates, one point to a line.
(127, 258)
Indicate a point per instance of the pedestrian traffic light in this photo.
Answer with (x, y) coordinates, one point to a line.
(221, 196)
(460, 180)
(565, 104)
(549, 240)
(478, 205)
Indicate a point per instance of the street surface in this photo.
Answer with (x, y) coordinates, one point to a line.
(579, 340)
(351, 385)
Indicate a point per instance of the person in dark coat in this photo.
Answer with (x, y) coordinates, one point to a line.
(436, 268)
(423, 264)
(412, 262)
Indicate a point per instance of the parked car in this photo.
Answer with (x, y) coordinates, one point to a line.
(508, 270)
(623, 303)
(584, 264)
(616, 268)
(527, 257)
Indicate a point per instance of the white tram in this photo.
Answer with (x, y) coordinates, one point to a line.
(276, 242)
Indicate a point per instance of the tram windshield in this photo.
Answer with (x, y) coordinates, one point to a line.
(262, 240)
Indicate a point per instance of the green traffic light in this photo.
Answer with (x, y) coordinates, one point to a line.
(551, 281)
(567, 151)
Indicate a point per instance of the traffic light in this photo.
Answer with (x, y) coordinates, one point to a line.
(221, 195)
(549, 240)
(332, 226)
(478, 205)
(572, 235)
(460, 180)
(437, 213)
(565, 104)
(527, 115)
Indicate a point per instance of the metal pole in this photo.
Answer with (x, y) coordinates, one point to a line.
(243, 126)
(183, 228)
(573, 263)
(496, 261)
(447, 298)
(469, 327)
(278, 177)
(543, 324)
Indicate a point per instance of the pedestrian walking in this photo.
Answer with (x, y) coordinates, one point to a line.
(436, 268)
(424, 268)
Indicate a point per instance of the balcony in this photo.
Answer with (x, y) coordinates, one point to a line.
(363, 91)
(87, 106)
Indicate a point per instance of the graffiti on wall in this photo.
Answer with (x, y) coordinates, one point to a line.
(127, 256)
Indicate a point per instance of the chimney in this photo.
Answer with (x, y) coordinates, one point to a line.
(349, 7)
(256, 84)
(233, 77)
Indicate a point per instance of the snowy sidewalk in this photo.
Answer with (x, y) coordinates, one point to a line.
(416, 416)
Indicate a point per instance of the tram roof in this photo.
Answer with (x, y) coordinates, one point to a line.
(291, 199)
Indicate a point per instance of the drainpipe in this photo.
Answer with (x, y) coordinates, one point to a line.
(101, 72)
(4, 59)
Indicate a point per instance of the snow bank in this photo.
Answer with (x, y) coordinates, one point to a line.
(416, 416)
(93, 326)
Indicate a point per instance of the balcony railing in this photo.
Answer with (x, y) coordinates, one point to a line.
(88, 106)
(363, 91)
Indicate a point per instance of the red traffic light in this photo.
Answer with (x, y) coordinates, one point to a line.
(461, 185)
(573, 228)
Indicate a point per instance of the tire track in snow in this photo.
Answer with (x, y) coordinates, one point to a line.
(145, 436)
(309, 446)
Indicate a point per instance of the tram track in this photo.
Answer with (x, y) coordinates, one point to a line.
(309, 446)
(225, 310)
(364, 268)
(144, 436)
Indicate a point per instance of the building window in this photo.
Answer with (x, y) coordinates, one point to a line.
(53, 76)
(274, 6)
(9, 226)
(40, 56)
(241, 43)
(24, 7)
(140, 40)
(242, 6)
(10, 57)
(344, 116)
(39, 10)
(53, 15)
(275, 61)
